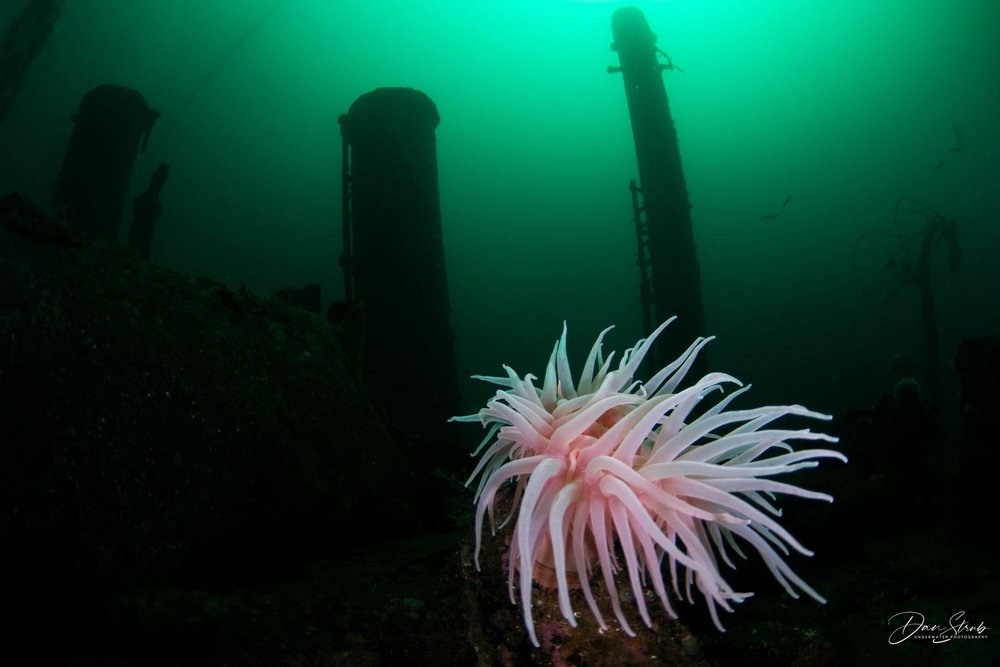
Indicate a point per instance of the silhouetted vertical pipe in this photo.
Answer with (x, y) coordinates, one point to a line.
(676, 277)
(397, 259)
(921, 276)
(112, 126)
(146, 209)
(24, 39)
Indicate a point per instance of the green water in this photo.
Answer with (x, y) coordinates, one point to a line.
(845, 105)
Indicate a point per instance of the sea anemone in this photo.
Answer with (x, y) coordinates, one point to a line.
(610, 469)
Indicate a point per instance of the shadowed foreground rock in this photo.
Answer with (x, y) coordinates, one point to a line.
(157, 426)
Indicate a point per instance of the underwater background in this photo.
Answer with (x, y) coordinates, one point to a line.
(844, 106)
(195, 472)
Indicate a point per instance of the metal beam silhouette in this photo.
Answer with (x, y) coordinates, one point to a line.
(673, 273)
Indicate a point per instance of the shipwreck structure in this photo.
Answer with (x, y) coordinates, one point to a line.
(393, 257)
(26, 36)
(111, 127)
(668, 261)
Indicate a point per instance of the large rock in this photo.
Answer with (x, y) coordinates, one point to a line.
(156, 426)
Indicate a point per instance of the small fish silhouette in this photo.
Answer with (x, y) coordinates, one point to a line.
(770, 216)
